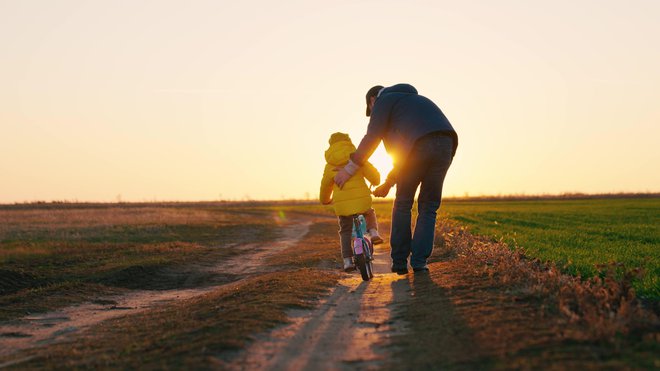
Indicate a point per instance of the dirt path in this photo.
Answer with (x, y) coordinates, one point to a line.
(346, 331)
(48, 328)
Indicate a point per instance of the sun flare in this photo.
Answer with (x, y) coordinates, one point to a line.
(382, 161)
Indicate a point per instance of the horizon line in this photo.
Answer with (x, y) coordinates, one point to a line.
(506, 197)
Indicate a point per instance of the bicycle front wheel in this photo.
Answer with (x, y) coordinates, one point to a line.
(370, 269)
(363, 265)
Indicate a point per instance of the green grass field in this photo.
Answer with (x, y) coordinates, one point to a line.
(576, 234)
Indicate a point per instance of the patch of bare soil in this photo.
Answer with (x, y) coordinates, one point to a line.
(156, 287)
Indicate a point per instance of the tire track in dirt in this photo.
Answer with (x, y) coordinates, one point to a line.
(48, 328)
(348, 330)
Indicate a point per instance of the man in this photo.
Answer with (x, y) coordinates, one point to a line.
(422, 143)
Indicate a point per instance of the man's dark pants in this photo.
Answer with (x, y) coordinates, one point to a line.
(427, 164)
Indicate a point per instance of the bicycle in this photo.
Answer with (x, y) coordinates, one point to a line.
(363, 249)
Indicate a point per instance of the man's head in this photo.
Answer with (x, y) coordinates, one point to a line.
(372, 94)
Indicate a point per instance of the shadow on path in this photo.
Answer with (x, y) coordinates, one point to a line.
(349, 330)
(436, 336)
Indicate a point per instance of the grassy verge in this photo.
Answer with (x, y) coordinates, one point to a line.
(581, 236)
(486, 306)
(52, 258)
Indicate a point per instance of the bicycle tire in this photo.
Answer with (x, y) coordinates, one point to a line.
(361, 263)
(370, 259)
(370, 269)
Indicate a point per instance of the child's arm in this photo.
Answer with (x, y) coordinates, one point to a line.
(371, 173)
(325, 194)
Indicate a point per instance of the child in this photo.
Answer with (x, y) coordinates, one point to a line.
(353, 198)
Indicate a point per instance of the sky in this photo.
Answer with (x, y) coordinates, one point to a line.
(227, 100)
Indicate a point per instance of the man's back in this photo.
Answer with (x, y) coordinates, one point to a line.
(401, 116)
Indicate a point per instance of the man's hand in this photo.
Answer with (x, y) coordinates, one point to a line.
(342, 177)
(345, 173)
(382, 190)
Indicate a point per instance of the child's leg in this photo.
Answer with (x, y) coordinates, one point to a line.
(345, 230)
(372, 226)
(370, 216)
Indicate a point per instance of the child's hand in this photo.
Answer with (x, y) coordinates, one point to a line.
(382, 190)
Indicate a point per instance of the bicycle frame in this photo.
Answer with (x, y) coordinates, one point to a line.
(360, 242)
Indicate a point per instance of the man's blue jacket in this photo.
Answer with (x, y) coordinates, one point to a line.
(399, 117)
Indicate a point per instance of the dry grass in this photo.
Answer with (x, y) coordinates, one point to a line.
(75, 218)
(319, 248)
(199, 332)
(604, 306)
(55, 257)
(192, 334)
(485, 306)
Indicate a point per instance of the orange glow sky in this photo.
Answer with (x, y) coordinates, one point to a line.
(207, 100)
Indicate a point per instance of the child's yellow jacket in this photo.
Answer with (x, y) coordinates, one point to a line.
(355, 196)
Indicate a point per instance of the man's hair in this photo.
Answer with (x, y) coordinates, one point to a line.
(373, 92)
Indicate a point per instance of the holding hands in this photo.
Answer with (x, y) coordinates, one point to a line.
(382, 190)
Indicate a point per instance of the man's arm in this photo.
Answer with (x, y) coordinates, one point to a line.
(371, 173)
(393, 175)
(375, 133)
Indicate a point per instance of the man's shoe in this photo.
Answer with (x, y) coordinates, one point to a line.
(421, 269)
(400, 270)
(348, 265)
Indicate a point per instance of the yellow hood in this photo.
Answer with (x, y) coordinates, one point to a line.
(339, 152)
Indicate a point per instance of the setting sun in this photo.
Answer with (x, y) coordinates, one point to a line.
(382, 161)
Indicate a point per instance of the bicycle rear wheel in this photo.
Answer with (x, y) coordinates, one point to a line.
(370, 258)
